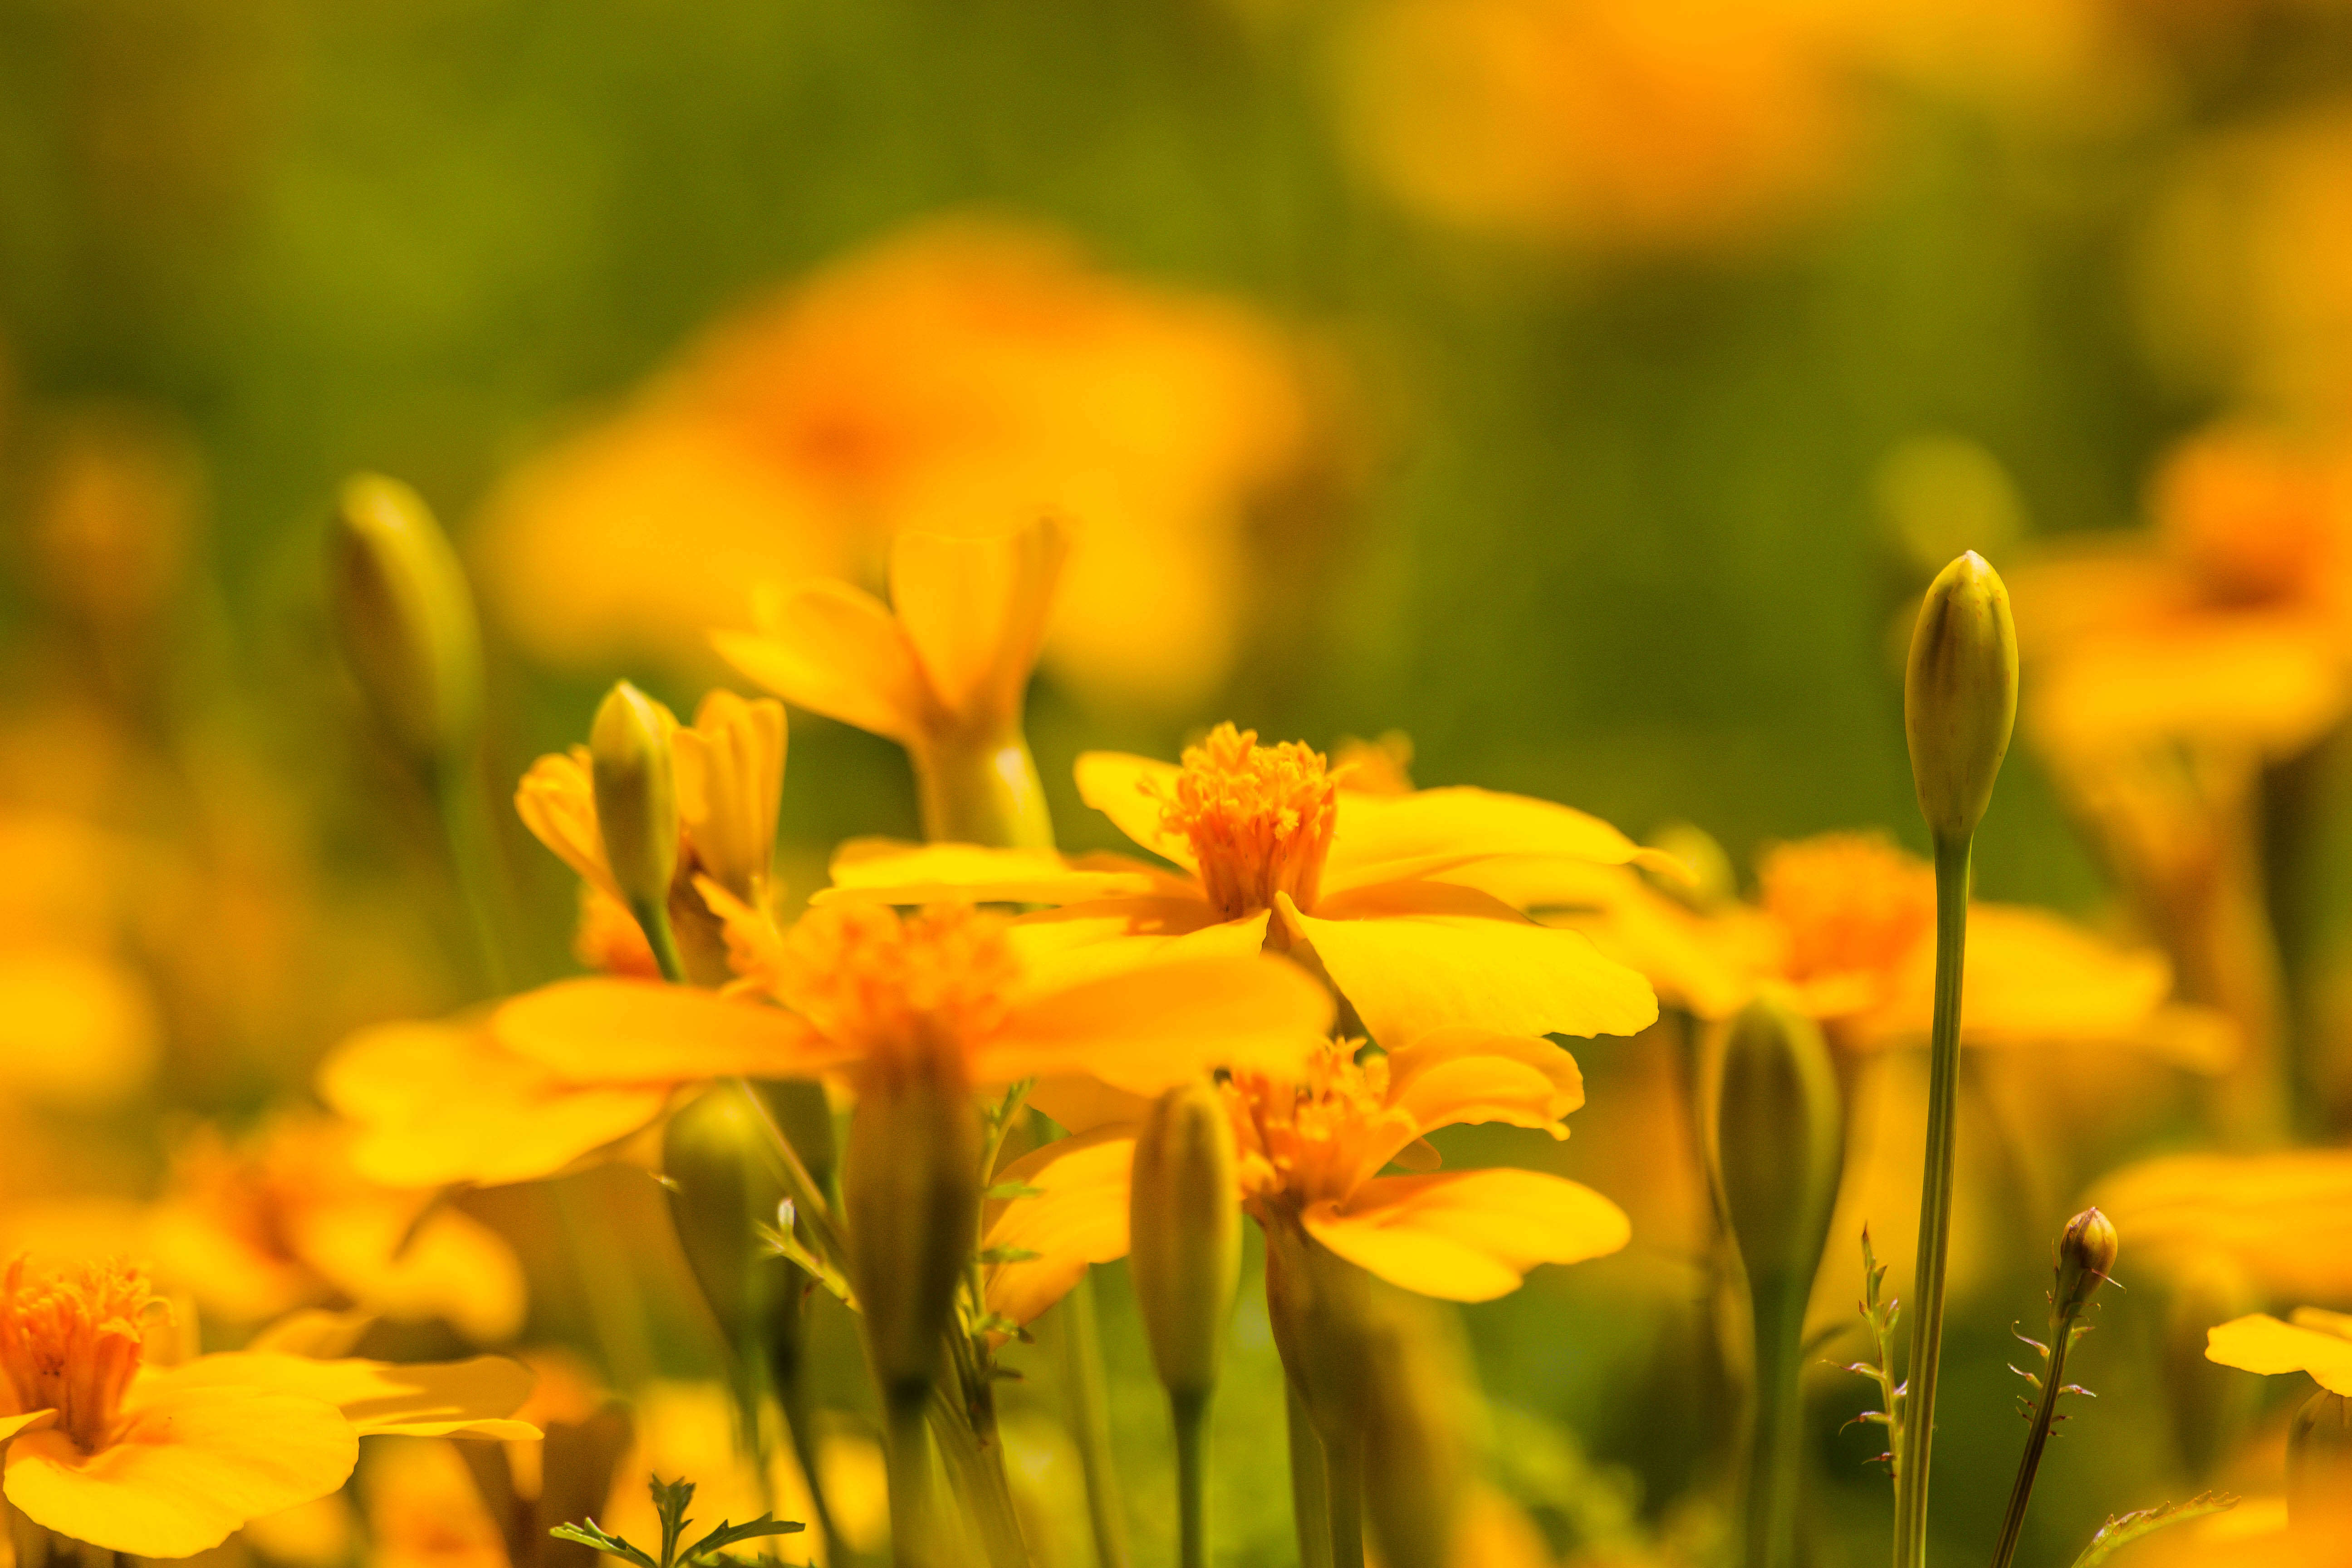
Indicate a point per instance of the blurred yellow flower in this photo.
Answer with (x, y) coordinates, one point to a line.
(2318, 1342)
(966, 374)
(167, 1462)
(2281, 1220)
(79, 1022)
(1376, 891)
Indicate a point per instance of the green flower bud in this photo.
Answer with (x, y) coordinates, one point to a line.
(910, 1194)
(2319, 1470)
(722, 1190)
(2086, 1256)
(1959, 695)
(1778, 1131)
(636, 795)
(1184, 1231)
(406, 619)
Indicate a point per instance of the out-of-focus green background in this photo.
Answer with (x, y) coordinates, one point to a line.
(1619, 516)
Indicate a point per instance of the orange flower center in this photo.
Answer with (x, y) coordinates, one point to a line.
(71, 1342)
(1258, 818)
(1301, 1141)
(2254, 519)
(1848, 902)
(916, 993)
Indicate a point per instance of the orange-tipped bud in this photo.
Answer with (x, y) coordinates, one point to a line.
(1959, 695)
(636, 795)
(406, 619)
(910, 1194)
(2086, 1256)
(1184, 1230)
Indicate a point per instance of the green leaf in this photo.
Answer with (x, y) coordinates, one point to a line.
(728, 1534)
(671, 1499)
(588, 1534)
(2125, 1529)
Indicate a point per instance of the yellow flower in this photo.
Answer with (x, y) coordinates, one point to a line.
(1313, 1146)
(963, 374)
(2317, 1342)
(2284, 1221)
(944, 676)
(81, 1027)
(1278, 854)
(166, 1462)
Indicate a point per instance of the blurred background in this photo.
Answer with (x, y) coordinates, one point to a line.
(1583, 389)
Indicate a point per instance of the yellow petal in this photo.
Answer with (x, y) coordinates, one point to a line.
(836, 650)
(31, 1420)
(2272, 681)
(1157, 1025)
(607, 1031)
(1129, 789)
(1388, 838)
(428, 1399)
(1080, 1104)
(2262, 1343)
(975, 609)
(1079, 1217)
(193, 1463)
(1416, 956)
(79, 1028)
(1107, 936)
(1468, 1235)
(1705, 963)
(557, 802)
(1451, 1077)
(730, 780)
(2285, 1219)
(888, 871)
(451, 1265)
(437, 1103)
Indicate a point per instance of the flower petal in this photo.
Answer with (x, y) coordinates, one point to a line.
(2259, 1342)
(888, 871)
(1107, 936)
(1416, 956)
(1390, 839)
(191, 1464)
(1152, 1027)
(975, 609)
(437, 1103)
(836, 650)
(1468, 1235)
(2286, 1219)
(1451, 1077)
(610, 1031)
(557, 802)
(1129, 789)
(449, 1265)
(1078, 1217)
(427, 1399)
(31, 1420)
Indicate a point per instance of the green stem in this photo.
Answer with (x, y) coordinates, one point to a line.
(1777, 1306)
(809, 1205)
(976, 1461)
(1935, 1205)
(1343, 1464)
(2053, 1380)
(1089, 1416)
(473, 864)
(1190, 1413)
(908, 1461)
(653, 919)
(981, 790)
(1310, 1492)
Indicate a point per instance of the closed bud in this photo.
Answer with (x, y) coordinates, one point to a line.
(406, 618)
(2319, 1470)
(1184, 1231)
(2086, 1256)
(721, 1192)
(1959, 695)
(636, 795)
(1778, 1141)
(910, 1193)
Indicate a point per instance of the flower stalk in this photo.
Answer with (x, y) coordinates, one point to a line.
(2085, 1254)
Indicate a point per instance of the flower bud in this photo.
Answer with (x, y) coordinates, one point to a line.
(721, 1192)
(2086, 1256)
(2319, 1470)
(910, 1194)
(636, 795)
(1185, 1235)
(406, 619)
(1778, 1141)
(1959, 695)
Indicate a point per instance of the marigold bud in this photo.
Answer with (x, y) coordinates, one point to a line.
(2319, 1468)
(1778, 1141)
(406, 618)
(910, 1194)
(1959, 695)
(2086, 1256)
(636, 795)
(1184, 1230)
(721, 1192)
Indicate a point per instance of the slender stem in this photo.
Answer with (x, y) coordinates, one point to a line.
(1190, 1414)
(466, 829)
(1776, 1305)
(809, 1205)
(1089, 1416)
(976, 1461)
(981, 790)
(2053, 1380)
(909, 1462)
(653, 919)
(1343, 1464)
(1935, 1205)
(1310, 1493)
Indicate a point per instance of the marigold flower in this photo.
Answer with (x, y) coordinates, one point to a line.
(2317, 1343)
(1381, 891)
(2281, 1220)
(166, 1462)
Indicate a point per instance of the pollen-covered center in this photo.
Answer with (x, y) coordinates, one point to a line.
(1849, 902)
(71, 1338)
(1258, 818)
(911, 991)
(1302, 1142)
